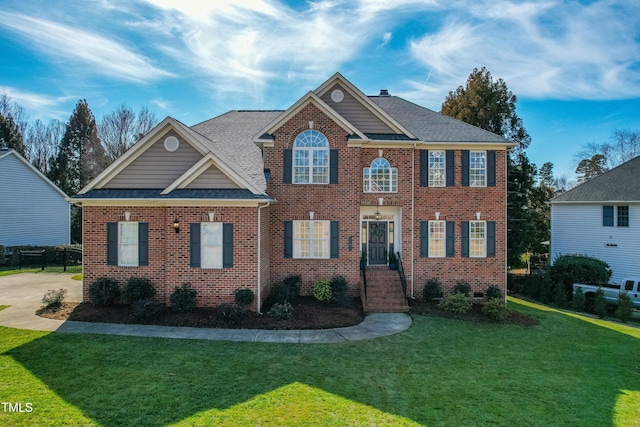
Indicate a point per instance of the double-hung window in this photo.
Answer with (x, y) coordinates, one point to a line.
(619, 216)
(436, 168)
(380, 177)
(311, 239)
(437, 234)
(311, 158)
(477, 168)
(623, 216)
(211, 245)
(128, 244)
(477, 239)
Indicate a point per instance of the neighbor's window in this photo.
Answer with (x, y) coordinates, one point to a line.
(380, 177)
(311, 239)
(211, 245)
(623, 216)
(477, 239)
(128, 244)
(311, 158)
(478, 168)
(436, 169)
(437, 235)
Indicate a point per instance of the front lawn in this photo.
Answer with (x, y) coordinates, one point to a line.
(441, 372)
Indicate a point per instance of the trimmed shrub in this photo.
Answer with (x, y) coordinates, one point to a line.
(244, 297)
(570, 269)
(432, 290)
(278, 293)
(293, 284)
(496, 308)
(322, 290)
(625, 308)
(600, 304)
(230, 313)
(183, 299)
(560, 295)
(457, 303)
(462, 287)
(138, 288)
(579, 300)
(53, 300)
(493, 292)
(145, 308)
(545, 294)
(340, 291)
(104, 291)
(282, 311)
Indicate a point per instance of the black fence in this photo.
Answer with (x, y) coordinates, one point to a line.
(50, 258)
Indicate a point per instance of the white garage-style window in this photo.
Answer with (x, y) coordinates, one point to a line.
(311, 158)
(311, 239)
(380, 177)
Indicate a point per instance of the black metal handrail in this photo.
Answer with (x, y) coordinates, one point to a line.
(403, 279)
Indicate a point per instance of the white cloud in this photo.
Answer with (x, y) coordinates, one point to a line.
(103, 55)
(386, 39)
(42, 106)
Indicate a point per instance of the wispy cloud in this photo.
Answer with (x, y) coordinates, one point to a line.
(43, 106)
(102, 55)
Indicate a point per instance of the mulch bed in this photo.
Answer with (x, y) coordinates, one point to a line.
(309, 314)
(474, 315)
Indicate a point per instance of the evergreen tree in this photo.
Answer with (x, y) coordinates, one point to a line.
(10, 135)
(492, 106)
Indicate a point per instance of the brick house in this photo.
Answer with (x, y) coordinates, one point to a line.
(250, 197)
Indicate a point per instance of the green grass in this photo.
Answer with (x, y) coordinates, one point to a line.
(6, 271)
(569, 370)
(77, 277)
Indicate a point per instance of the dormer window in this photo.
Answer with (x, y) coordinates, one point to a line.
(380, 177)
(311, 158)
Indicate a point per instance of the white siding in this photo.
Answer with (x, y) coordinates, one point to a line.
(31, 211)
(578, 229)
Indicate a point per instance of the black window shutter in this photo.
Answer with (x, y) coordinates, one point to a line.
(491, 168)
(288, 166)
(424, 238)
(465, 168)
(450, 168)
(227, 245)
(491, 238)
(335, 241)
(112, 243)
(424, 168)
(333, 166)
(288, 239)
(464, 228)
(450, 239)
(607, 216)
(143, 243)
(194, 244)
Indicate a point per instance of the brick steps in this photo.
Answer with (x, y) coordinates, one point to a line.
(384, 291)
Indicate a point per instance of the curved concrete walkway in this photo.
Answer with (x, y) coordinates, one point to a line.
(23, 292)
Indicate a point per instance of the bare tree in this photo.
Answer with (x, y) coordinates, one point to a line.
(9, 108)
(43, 142)
(622, 146)
(122, 128)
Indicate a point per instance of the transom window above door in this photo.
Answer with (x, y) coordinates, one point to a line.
(311, 158)
(380, 177)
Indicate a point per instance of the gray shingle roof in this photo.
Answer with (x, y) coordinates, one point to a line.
(232, 135)
(620, 184)
(429, 126)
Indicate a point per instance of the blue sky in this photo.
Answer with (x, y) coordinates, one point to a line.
(574, 65)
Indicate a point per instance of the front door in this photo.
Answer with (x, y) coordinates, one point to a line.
(377, 243)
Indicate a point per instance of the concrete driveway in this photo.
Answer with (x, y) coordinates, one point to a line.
(23, 292)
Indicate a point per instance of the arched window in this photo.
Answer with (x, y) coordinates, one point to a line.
(311, 158)
(380, 177)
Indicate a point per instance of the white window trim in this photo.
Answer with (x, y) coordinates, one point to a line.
(371, 186)
(472, 239)
(297, 240)
(444, 239)
(121, 246)
(309, 168)
(211, 262)
(432, 170)
(471, 169)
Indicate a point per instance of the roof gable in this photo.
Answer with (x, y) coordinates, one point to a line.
(6, 154)
(619, 184)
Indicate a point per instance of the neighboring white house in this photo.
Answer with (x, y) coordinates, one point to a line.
(33, 211)
(601, 218)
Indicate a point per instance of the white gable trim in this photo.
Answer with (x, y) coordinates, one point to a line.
(365, 101)
(200, 167)
(35, 171)
(309, 98)
(140, 147)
